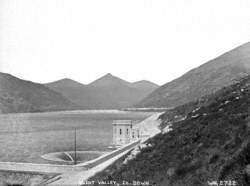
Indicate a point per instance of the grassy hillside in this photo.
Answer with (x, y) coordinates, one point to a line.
(180, 112)
(17, 95)
(211, 144)
(203, 80)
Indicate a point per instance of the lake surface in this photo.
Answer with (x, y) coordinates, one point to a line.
(25, 137)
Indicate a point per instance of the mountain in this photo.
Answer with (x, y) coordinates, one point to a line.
(65, 83)
(210, 144)
(144, 84)
(17, 95)
(107, 92)
(109, 81)
(206, 79)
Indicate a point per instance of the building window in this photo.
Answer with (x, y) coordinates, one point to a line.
(120, 131)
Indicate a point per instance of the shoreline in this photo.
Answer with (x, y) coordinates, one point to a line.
(94, 111)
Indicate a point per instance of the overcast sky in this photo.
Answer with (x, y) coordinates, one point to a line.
(45, 40)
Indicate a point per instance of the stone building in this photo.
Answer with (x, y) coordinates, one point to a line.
(124, 132)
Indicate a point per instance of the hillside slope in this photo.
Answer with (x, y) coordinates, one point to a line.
(211, 144)
(107, 92)
(206, 79)
(17, 95)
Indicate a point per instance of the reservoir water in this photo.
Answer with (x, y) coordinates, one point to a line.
(25, 137)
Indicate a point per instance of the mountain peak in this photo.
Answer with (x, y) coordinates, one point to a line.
(108, 75)
(65, 82)
(145, 84)
(109, 80)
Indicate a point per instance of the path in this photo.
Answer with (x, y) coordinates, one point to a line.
(149, 128)
(38, 168)
(60, 169)
(76, 178)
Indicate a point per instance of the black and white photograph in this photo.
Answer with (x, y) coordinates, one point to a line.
(124, 93)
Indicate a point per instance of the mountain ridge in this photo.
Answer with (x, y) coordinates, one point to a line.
(205, 79)
(64, 82)
(17, 95)
(109, 80)
(106, 92)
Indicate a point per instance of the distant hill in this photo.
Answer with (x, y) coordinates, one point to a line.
(144, 84)
(109, 81)
(65, 83)
(206, 79)
(107, 92)
(17, 95)
(209, 145)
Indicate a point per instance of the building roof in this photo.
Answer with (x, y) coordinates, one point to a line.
(122, 122)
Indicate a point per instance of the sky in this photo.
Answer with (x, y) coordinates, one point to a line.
(156, 40)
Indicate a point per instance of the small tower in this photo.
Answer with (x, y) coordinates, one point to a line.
(122, 132)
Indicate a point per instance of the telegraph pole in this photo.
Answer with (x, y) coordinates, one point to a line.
(75, 161)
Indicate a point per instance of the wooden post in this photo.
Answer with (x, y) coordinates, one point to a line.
(75, 161)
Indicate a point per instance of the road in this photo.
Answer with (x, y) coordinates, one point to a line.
(70, 174)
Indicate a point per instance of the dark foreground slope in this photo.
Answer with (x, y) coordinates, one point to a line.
(17, 95)
(211, 144)
(204, 80)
